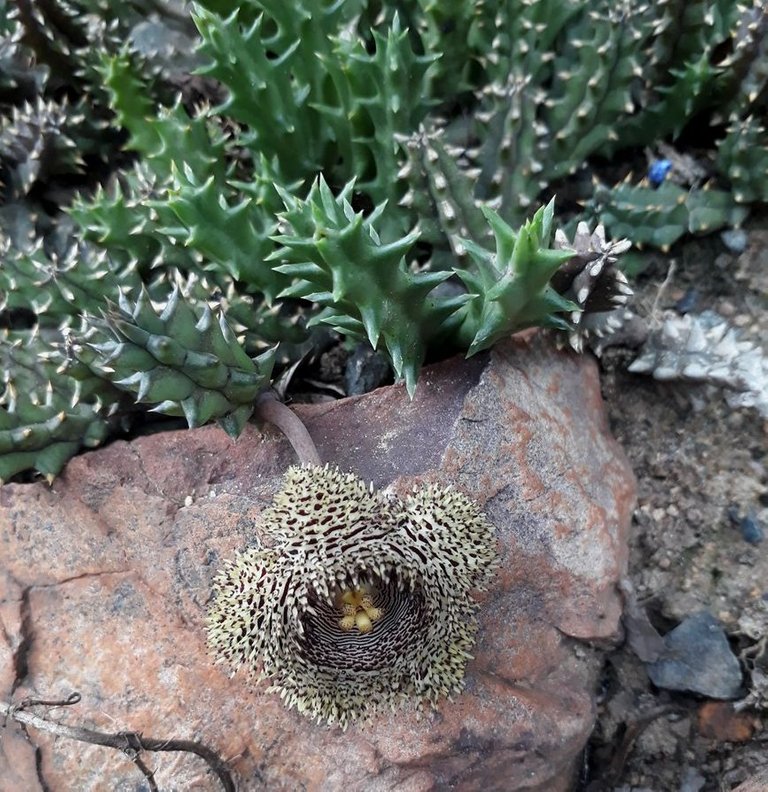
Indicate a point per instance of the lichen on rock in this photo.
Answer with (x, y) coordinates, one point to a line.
(356, 600)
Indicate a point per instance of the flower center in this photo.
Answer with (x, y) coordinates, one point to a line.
(358, 610)
(365, 623)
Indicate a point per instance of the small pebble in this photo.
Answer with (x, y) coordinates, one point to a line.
(687, 302)
(188, 500)
(750, 526)
(364, 371)
(735, 239)
(658, 170)
(726, 308)
(752, 530)
(692, 780)
(724, 261)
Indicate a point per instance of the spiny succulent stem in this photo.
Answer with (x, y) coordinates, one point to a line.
(271, 410)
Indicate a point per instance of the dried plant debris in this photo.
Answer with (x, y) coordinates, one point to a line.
(356, 600)
(591, 280)
(682, 169)
(755, 659)
(753, 628)
(621, 327)
(706, 348)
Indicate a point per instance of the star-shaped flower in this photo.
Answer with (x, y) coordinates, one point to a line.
(356, 599)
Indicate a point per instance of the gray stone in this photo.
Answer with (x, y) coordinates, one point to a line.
(735, 239)
(698, 659)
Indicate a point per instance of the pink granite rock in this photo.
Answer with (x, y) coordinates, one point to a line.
(106, 575)
(757, 783)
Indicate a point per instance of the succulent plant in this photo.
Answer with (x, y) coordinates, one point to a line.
(705, 348)
(58, 283)
(511, 288)
(660, 216)
(379, 169)
(180, 362)
(591, 281)
(45, 418)
(355, 601)
(42, 431)
(61, 114)
(325, 240)
(35, 144)
(742, 157)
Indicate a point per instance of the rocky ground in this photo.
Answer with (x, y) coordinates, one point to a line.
(697, 543)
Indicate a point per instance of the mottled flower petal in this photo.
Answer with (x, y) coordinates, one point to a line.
(360, 600)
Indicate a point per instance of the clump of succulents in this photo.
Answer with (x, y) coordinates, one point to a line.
(266, 170)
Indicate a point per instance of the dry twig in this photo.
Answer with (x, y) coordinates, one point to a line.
(129, 742)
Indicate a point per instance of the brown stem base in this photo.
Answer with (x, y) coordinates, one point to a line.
(269, 409)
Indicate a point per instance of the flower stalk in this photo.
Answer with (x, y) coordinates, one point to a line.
(271, 410)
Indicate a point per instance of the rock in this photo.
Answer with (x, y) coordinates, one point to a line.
(365, 370)
(735, 239)
(641, 636)
(698, 660)
(692, 780)
(757, 783)
(107, 573)
(717, 720)
(752, 529)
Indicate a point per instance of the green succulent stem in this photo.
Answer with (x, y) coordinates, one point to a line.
(181, 360)
(510, 287)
